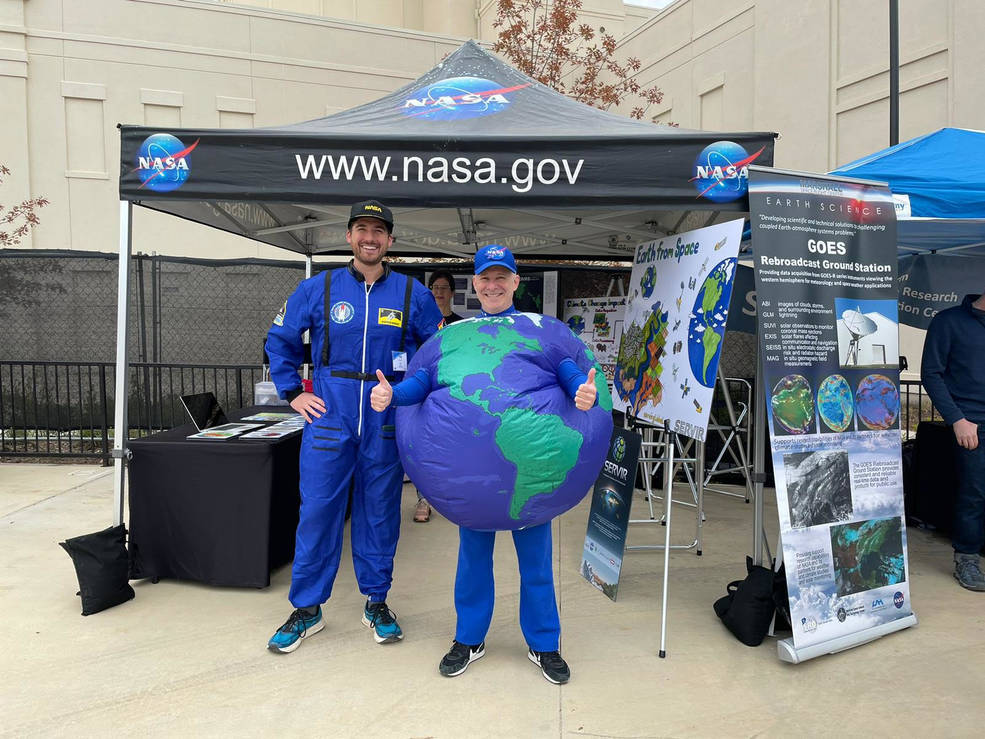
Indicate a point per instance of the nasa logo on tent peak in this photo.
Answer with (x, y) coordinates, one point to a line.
(459, 98)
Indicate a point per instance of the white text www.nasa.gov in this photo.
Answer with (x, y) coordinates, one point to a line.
(524, 173)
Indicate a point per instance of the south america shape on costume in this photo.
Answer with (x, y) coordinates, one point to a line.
(498, 444)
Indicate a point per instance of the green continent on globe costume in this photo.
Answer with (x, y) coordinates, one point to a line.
(710, 338)
(546, 434)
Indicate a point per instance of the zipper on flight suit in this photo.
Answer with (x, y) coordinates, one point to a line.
(362, 383)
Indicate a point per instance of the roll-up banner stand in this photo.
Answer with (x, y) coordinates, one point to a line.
(608, 519)
(825, 260)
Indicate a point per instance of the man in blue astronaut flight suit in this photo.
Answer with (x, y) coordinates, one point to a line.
(361, 317)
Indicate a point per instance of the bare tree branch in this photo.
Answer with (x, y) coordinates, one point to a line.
(21, 217)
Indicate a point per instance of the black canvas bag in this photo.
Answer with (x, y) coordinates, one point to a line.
(747, 610)
(102, 566)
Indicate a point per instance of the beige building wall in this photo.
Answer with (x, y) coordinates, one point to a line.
(70, 71)
(816, 71)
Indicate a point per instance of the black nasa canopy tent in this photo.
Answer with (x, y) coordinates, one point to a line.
(473, 137)
(472, 152)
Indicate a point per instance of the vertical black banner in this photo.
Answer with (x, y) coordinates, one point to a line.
(608, 519)
(825, 257)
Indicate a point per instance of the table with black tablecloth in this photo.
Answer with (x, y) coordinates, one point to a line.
(216, 512)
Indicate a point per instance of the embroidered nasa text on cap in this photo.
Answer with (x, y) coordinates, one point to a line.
(371, 209)
(494, 255)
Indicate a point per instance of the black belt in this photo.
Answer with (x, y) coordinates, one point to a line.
(362, 376)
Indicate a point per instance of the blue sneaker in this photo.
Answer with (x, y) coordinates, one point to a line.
(299, 626)
(383, 623)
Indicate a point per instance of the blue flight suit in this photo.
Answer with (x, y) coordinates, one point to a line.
(350, 443)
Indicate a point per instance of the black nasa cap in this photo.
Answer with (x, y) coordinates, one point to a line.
(371, 209)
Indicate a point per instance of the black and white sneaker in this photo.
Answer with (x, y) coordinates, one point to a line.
(459, 657)
(553, 667)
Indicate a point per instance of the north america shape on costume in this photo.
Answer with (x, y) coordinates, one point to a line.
(498, 444)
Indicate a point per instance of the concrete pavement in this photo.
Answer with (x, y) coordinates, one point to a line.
(182, 659)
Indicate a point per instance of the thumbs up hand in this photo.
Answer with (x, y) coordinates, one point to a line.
(382, 394)
(587, 392)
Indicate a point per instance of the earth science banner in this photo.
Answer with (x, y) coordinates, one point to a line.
(674, 327)
(825, 254)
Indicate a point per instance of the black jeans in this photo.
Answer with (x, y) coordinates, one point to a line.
(969, 506)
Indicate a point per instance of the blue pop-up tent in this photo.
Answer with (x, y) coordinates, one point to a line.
(942, 174)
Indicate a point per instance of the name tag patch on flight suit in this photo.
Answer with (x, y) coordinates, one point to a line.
(342, 312)
(391, 317)
(279, 318)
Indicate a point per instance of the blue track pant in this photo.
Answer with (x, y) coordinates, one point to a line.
(475, 589)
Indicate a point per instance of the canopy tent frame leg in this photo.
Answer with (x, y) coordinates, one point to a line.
(668, 505)
(121, 430)
(759, 542)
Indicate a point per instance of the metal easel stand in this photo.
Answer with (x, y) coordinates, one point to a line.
(667, 443)
(739, 437)
(652, 456)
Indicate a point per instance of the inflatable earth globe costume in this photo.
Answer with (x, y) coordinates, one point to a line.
(497, 444)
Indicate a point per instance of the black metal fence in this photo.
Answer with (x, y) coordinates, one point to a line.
(915, 406)
(66, 409)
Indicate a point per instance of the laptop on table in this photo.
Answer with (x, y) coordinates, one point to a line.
(204, 410)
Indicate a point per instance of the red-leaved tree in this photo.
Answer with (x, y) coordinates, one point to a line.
(543, 39)
(15, 222)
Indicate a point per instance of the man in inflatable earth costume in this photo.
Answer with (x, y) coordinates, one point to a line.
(495, 282)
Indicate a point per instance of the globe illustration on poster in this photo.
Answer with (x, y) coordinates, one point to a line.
(877, 402)
(577, 324)
(835, 403)
(793, 404)
(647, 281)
(498, 444)
(708, 317)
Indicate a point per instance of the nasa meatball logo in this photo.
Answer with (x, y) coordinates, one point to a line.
(459, 98)
(898, 599)
(342, 312)
(721, 171)
(163, 162)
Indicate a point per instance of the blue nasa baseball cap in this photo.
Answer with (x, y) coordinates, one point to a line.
(494, 255)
